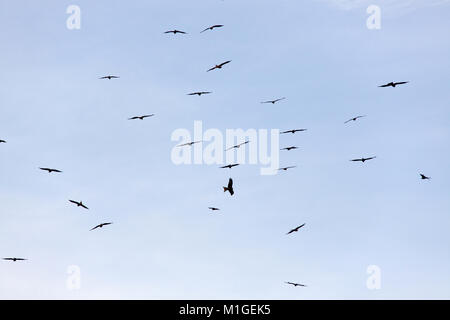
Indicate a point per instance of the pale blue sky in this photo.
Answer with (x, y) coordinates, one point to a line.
(164, 242)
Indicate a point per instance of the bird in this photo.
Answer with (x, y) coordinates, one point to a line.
(14, 259)
(110, 77)
(141, 117)
(229, 166)
(289, 148)
(175, 31)
(219, 66)
(424, 177)
(2, 141)
(295, 229)
(293, 131)
(229, 188)
(198, 93)
(363, 159)
(79, 204)
(393, 84)
(238, 145)
(212, 27)
(101, 225)
(50, 170)
(189, 143)
(286, 168)
(354, 119)
(274, 101)
(296, 284)
(213, 208)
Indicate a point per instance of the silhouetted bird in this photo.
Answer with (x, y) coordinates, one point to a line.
(189, 143)
(295, 229)
(238, 145)
(213, 27)
(229, 188)
(354, 119)
(2, 141)
(274, 101)
(363, 159)
(141, 117)
(175, 31)
(50, 170)
(393, 84)
(14, 259)
(289, 148)
(110, 77)
(296, 284)
(286, 168)
(101, 225)
(79, 204)
(199, 93)
(219, 66)
(293, 131)
(213, 208)
(229, 166)
(424, 177)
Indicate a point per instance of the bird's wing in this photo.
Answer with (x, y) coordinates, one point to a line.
(356, 160)
(95, 228)
(133, 118)
(370, 158)
(280, 99)
(74, 201)
(224, 63)
(385, 85)
(84, 206)
(211, 68)
(205, 30)
(230, 183)
(301, 226)
(402, 82)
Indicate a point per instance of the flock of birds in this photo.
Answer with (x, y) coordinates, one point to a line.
(229, 187)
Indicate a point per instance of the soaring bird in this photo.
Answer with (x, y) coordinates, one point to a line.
(198, 93)
(14, 259)
(354, 119)
(101, 225)
(229, 166)
(2, 141)
(238, 145)
(219, 66)
(213, 208)
(189, 143)
(175, 31)
(79, 204)
(141, 117)
(110, 77)
(296, 284)
(363, 159)
(293, 131)
(286, 168)
(295, 229)
(289, 148)
(393, 84)
(424, 177)
(212, 27)
(229, 188)
(50, 170)
(274, 101)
